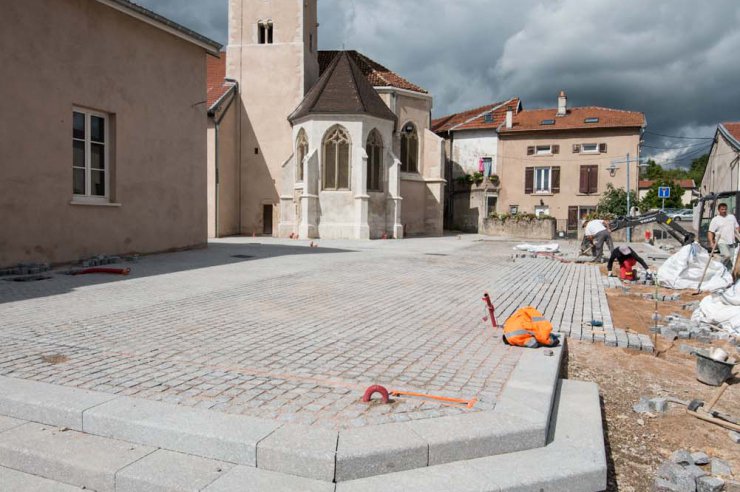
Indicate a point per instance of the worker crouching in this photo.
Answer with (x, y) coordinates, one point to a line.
(627, 258)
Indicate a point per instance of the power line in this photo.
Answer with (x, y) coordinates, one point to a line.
(678, 136)
(690, 146)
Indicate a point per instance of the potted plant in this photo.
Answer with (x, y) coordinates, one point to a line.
(494, 179)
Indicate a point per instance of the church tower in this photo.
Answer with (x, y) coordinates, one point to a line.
(273, 54)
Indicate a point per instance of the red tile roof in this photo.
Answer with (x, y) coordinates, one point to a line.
(733, 128)
(376, 74)
(575, 119)
(686, 184)
(215, 83)
(475, 119)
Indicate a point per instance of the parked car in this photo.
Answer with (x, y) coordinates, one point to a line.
(685, 215)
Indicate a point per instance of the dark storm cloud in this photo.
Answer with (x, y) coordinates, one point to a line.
(675, 60)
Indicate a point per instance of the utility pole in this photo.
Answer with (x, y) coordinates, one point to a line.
(627, 161)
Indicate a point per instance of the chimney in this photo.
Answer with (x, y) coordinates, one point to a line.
(509, 117)
(562, 104)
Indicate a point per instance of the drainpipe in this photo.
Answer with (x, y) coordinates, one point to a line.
(451, 182)
(217, 122)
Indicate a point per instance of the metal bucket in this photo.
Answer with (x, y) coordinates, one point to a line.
(712, 372)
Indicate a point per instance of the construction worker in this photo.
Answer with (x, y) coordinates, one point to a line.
(721, 235)
(627, 258)
(596, 232)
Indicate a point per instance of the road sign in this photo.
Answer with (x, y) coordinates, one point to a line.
(664, 192)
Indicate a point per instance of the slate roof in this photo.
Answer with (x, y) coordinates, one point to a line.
(131, 7)
(343, 89)
(475, 119)
(376, 74)
(575, 119)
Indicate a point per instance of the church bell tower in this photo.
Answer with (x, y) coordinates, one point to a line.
(273, 54)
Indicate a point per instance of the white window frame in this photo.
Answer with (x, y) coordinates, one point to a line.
(594, 151)
(543, 150)
(540, 210)
(493, 163)
(488, 208)
(88, 197)
(547, 191)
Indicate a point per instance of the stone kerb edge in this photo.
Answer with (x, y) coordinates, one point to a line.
(519, 421)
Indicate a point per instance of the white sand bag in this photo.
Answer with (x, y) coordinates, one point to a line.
(538, 248)
(721, 310)
(684, 270)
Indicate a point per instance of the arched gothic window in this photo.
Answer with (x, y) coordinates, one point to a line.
(301, 153)
(336, 160)
(374, 150)
(409, 149)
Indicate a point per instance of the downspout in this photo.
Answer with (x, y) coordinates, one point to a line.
(451, 182)
(237, 92)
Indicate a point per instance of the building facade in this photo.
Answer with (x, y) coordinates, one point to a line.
(258, 179)
(723, 168)
(558, 162)
(104, 152)
(471, 146)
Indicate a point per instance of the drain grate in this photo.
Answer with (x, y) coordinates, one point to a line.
(436, 254)
(34, 278)
(242, 257)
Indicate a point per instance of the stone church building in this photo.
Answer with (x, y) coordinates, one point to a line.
(319, 144)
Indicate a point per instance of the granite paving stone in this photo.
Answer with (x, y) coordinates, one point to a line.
(296, 334)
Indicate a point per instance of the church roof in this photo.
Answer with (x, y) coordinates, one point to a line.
(376, 74)
(343, 89)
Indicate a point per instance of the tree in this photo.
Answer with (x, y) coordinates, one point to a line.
(698, 166)
(651, 200)
(614, 201)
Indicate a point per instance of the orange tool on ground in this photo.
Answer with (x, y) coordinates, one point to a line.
(467, 403)
(384, 396)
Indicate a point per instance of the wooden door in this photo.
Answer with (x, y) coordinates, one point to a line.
(267, 220)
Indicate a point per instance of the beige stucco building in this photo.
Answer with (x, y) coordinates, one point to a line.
(555, 161)
(723, 168)
(104, 135)
(268, 173)
(559, 161)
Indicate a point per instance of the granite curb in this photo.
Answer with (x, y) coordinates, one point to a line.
(520, 421)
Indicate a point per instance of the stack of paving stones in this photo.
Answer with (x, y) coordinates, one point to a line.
(675, 326)
(581, 291)
(100, 260)
(694, 472)
(25, 269)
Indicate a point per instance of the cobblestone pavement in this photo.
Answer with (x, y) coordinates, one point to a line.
(294, 333)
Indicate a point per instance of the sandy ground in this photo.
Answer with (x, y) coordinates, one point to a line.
(637, 444)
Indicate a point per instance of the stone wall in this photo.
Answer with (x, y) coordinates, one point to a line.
(523, 228)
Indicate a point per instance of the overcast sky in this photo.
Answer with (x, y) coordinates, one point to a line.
(675, 60)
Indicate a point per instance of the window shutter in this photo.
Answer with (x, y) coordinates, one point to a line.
(593, 179)
(602, 148)
(556, 179)
(576, 148)
(583, 182)
(556, 149)
(528, 180)
(530, 150)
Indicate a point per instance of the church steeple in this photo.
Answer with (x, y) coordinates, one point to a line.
(286, 30)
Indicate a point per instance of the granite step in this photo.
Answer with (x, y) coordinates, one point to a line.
(38, 457)
(519, 421)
